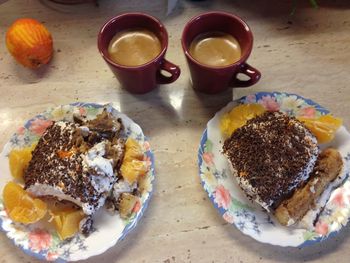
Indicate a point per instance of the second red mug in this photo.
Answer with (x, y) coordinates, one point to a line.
(143, 78)
(209, 79)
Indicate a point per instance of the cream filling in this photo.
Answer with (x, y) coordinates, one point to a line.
(93, 160)
(122, 186)
(47, 190)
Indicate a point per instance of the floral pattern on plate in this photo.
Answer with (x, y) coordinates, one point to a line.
(249, 217)
(44, 243)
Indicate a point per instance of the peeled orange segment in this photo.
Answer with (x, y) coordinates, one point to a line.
(133, 167)
(21, 207)
(19, 160)
(323, 127)
(67, 221)
(238, 117)
(132, 170)
(132, 150)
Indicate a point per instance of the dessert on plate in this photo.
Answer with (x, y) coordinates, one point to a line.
(77, 162)
(277, 162)
(76, 168)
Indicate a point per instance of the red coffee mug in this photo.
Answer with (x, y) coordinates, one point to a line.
(144, 78)
(209, 79)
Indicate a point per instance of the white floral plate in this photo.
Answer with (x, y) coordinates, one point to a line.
(248, 217)
(44, 243)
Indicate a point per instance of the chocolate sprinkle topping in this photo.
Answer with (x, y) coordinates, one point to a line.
(273, 154)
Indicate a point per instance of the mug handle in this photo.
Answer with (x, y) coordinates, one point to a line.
(169, 67)
(253, 74)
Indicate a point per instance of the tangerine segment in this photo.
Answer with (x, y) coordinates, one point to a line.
(21, 207)
(132, 170)
(19, 160)
(323, 127)
(132, 150)
(238, 117)
(67, 221)
(133, 167)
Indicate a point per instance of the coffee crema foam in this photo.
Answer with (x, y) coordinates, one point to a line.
(134, 47)
(215, 49)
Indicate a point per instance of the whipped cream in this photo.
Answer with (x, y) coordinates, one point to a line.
(47, 190)
(99, 168)
(122, 186)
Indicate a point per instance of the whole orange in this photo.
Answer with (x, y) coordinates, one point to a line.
(29, 42)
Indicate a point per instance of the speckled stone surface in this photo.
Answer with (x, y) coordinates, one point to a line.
(307, 54)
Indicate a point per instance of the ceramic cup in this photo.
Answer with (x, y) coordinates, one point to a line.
(144, 78)
(210, 79)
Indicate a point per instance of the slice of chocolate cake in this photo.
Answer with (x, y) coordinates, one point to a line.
(271, 156)
(78, 162)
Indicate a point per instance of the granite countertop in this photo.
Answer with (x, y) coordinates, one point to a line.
(307, 54)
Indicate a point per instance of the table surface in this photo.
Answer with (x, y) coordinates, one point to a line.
(307, 54)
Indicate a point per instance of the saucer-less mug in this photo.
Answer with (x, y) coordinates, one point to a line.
(210, 79)
(143, 78)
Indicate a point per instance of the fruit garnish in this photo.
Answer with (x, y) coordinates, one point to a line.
(20, 206)
(131, 170)
(66, 154)
(132, 150)
(127, 204)
(133, 167)
(66, 221)
(19, 160)
(238, 117)
(29, 42)
(323, 127)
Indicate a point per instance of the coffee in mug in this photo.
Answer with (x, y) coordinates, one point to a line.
(217, 46)
(217, 49)
(134, 47)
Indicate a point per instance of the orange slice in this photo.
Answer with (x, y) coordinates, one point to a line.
(66, 221)
(19, 160)
(132, 150)
(20, 206)
(133, 167)
(323, 127)
(238, 117)
(132, 170)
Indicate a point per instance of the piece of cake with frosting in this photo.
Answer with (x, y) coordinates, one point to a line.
(271, 156)
(78, 161)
